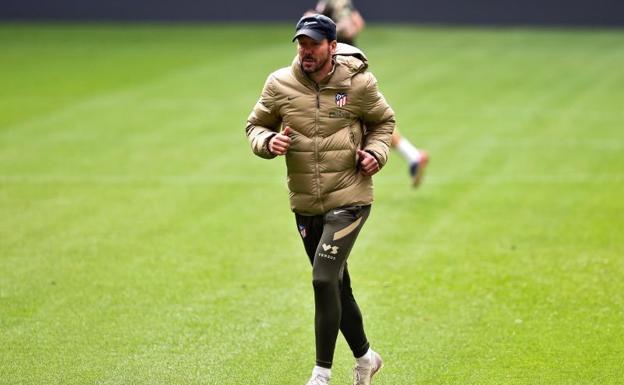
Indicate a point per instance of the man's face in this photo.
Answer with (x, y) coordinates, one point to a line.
(313, 54)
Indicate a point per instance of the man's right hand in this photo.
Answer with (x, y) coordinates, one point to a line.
(280, 143)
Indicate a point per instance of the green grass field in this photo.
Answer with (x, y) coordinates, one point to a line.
(141, 242)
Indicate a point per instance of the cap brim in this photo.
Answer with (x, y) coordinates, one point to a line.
(311, 33)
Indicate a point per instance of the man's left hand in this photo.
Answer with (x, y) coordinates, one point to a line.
(368, 163)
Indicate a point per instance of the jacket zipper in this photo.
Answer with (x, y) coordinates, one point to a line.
(316, 154)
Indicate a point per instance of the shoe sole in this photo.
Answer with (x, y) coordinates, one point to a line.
(417, 178)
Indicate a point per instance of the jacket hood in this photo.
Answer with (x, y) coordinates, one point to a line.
(351, 55)
(349, 61)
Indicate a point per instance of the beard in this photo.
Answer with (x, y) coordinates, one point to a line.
(310, 64)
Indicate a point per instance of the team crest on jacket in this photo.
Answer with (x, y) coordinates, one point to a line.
(341, 99)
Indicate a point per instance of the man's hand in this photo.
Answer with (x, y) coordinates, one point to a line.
(280, 143)
(368, 163)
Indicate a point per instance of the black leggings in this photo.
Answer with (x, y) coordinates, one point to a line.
(328, 240)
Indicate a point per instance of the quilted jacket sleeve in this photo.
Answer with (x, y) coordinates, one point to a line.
(264, 121)
(379, 119)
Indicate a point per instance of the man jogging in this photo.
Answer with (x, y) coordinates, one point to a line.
(335, 135)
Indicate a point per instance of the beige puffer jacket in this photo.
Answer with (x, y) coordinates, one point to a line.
(330, 121)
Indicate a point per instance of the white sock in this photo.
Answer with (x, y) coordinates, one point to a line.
(409, 152)
(322, 371)
(366, 358)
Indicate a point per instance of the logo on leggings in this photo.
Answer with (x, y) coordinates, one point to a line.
(334, 249)
(303, 231)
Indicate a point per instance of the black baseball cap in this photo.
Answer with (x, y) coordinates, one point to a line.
(317, 27)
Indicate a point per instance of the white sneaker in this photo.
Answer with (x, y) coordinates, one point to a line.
(318, 379)
(362, 375)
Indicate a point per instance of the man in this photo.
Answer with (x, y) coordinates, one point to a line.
(349, 23)
(323, 101)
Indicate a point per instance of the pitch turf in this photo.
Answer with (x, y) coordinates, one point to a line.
(142, 243)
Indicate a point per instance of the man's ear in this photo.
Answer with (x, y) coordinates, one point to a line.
(332, 46)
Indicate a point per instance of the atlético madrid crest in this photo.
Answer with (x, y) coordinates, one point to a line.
(341, 99)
